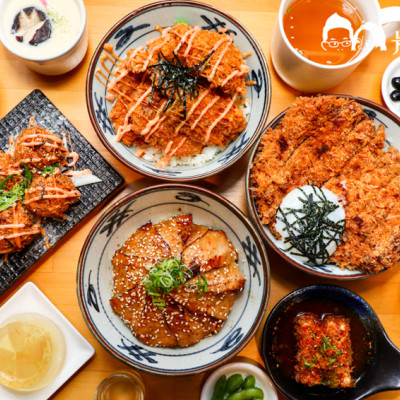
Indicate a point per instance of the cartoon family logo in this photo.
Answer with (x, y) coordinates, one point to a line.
(335, 21)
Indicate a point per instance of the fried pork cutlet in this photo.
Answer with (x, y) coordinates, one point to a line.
(51, 195)
(324, 354)
(187, 316)
(37, 147)
(330, 142)
(211, 119)
(225, 68)
(16, 228)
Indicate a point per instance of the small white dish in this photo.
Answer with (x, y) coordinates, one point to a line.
(262, 380)
(58, 62)
(391, 71)
(77, 349)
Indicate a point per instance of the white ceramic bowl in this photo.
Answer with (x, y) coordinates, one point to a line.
(393, 70)
(135, 30)
(380, 115)
(156, 203)
(58, 63)
(262, 380)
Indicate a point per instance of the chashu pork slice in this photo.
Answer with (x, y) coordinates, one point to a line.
(130, 305)
(212, 250)
(146, 242)
(224, 279)
(196, 232)
(189, 328)
(152, 328)
(129, 271)
(216, 305)
(175, 231)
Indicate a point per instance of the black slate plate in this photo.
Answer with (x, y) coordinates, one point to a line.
(46, 114)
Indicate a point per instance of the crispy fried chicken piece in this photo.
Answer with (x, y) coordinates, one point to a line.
(9, 170)
(51, 195)
(16, 228)
(212, 250)
(324, 354)
(193, 45)
(37, 148)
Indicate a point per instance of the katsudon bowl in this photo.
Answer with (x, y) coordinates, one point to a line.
(95, 278)
(381, 116)
(376, 360)
(136, 29)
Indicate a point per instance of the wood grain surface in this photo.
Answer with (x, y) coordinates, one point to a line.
(55, 275)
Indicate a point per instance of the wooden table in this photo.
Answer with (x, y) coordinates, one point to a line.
(55, 275)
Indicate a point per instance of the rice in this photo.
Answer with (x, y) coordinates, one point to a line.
(208, 153)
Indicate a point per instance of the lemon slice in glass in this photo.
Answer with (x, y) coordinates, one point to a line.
(32, 351)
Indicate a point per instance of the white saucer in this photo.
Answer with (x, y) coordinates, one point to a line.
(77, 350)
(391, 71)
(262, 380)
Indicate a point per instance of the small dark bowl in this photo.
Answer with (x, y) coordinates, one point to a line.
(381, 370)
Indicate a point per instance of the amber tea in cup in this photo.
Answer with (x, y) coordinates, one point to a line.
(323, 30)
(123, 385)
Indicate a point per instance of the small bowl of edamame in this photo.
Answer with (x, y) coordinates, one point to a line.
(243, 381)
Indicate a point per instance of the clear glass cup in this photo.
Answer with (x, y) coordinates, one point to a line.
(123, 385)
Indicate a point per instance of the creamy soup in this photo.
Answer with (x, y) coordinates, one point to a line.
(41, 29)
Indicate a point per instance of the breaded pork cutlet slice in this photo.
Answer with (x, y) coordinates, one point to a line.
(317, 160)
(361, 193)
(319, 123)
(371, 233)
(189, 328)
(209, 251)
(304, 119)
(146, 242)
(175, 231)
(225, 68)
(211, 119)
(216, 305)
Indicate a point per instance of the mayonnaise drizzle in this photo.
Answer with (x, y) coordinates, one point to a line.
(205, 109)
(212, 126)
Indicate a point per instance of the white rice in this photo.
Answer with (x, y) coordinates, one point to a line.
(208, 153)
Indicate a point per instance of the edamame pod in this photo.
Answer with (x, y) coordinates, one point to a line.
(247, 394)
(249, 382)
(219, 388)
(233, 383)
